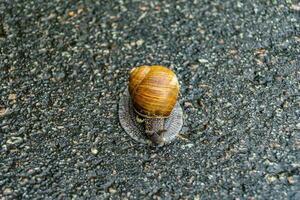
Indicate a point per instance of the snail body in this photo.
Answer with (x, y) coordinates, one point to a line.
(152, 95)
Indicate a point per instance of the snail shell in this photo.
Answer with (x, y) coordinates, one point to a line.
(153, 90)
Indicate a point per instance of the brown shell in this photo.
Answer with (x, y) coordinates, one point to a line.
(153, 90)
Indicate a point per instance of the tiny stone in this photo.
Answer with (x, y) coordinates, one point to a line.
(112, 190)
(295, 7)
(3, 111)
(233, 52)
(60, 75)
(94, 151)
(132, 43)
(14, 140)
(7, 191)
(189, 145)
(143, 8)
(291, 180)
(271, 178)
(188, 104)
(197, 197)
(194, 67)
(140, 42)
(275, 145)
(203, 60)
(4, 147)
(298, 126)
(71, 14)
(24, 181)
(12, 97)
(221, 41)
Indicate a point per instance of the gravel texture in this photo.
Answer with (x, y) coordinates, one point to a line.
(64, 65)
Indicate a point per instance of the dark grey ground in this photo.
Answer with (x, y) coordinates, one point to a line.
(64, 65)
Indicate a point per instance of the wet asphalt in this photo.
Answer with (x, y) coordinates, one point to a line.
(64, 66)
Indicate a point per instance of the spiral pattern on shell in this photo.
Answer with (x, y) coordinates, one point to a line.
(153, 90)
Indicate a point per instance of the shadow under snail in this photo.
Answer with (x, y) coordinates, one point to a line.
(149, 109)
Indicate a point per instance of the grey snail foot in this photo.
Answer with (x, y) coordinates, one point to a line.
(137, 131)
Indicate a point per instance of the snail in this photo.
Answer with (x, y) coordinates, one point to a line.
(149, 109)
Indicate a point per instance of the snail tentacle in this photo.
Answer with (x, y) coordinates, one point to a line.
(153, 129)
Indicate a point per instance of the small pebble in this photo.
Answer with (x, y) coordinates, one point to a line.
(187, 146)
(3, 111)
(298, 126)
(94, 151)
(291, 180)
(271, 178)
(188, 104)
(112, 190)
(71, 14)
(7, 191)
(12, 96)
(139, 42)
(295, 7)
(203, 60)
(14, 140)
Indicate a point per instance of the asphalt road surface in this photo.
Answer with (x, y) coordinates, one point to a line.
(65, 64)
